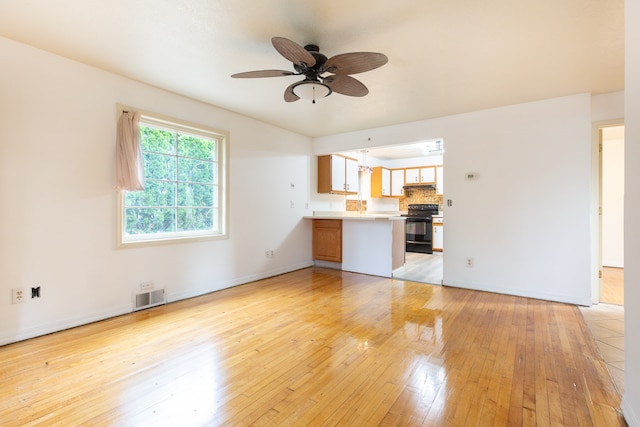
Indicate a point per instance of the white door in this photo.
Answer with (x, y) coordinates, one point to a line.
(386, 182)
(439, 180)
(352, 184)
(427, 175)
(337, 173)
(397, 182)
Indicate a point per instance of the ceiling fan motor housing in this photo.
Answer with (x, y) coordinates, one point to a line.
(317, 69)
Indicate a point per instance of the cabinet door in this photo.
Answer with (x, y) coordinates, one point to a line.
(412, 176)
(327, 239)
(439, 180)
(438, 237)
(397, 182)
(351, 176)
(337, 173)
(380, 182)
(386, 182)
(427, 175)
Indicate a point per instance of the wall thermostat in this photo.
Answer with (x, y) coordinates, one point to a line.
(471, 176)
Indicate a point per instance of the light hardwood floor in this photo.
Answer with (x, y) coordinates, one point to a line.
(612, 285)
(317, 347)
(424, 268)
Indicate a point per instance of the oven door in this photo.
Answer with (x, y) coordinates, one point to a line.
(419, 235)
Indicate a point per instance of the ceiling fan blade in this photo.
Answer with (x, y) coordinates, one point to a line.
(293, 51)
(346, 85)
(355, 62)
(263, 73)
(289, 96)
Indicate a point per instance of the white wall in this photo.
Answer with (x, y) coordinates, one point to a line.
(58, 205)
(631, 398)
(612, 200)
(526, 221)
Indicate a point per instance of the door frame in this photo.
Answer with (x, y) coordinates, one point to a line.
(596, 206)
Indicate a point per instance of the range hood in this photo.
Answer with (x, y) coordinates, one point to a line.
(419, 186)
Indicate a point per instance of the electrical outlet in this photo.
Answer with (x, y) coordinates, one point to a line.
(145, 286)
(469, 262)
(268, 253)
(18, 295)
(291, 204)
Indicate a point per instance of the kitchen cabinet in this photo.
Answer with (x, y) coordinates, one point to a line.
(367, 244)
(380, 182)
(439, 180)
(397, 182)
(327, 240)
(438, 234)
(387, 182)
(337, 174)
(423, 175)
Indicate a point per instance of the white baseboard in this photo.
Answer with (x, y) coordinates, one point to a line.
(177, 296)
(61, 325)
(629, 414)
(72, 322)
(568, 299)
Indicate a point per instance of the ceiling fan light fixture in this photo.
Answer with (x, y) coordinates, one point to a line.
(311, 90)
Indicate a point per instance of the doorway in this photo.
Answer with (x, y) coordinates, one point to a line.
(612, 217)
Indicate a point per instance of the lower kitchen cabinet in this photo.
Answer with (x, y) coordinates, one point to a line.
(327, 240)
(438, 235)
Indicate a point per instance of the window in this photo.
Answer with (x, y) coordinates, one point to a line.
(184, 195)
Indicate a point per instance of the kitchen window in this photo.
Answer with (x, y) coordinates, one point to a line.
(185, 184)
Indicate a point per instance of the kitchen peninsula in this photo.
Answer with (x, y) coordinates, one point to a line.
(365, 243)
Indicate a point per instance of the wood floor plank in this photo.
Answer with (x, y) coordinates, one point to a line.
(320, 347)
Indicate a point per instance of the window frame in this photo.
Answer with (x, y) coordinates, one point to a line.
(222, 137)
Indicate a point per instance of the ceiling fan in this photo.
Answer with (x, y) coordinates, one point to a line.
(322, 76)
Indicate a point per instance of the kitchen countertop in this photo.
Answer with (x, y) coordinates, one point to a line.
(348, 215)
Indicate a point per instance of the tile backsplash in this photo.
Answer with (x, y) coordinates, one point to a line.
(419, 195)
(354, 205)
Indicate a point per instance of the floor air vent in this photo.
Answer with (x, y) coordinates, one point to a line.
(148, 299)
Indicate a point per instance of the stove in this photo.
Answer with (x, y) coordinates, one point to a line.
(422, 210)
(419, 233)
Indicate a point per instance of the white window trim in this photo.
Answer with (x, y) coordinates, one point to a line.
(223, 186)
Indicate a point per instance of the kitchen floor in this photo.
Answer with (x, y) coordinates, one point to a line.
(606, 323)
(423, 268)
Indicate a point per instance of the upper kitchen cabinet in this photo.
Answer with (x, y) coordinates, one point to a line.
(380, 182)
(423, 175)
(397, 182)
(337, 174)
(387, 182)
(439, 180)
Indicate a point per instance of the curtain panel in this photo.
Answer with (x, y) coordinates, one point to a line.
(129, 161)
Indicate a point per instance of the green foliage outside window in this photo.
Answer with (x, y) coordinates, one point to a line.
(180, 184)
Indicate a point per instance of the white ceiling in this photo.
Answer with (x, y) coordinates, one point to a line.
(445, 57)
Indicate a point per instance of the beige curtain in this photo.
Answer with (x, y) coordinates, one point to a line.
(129, 161)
